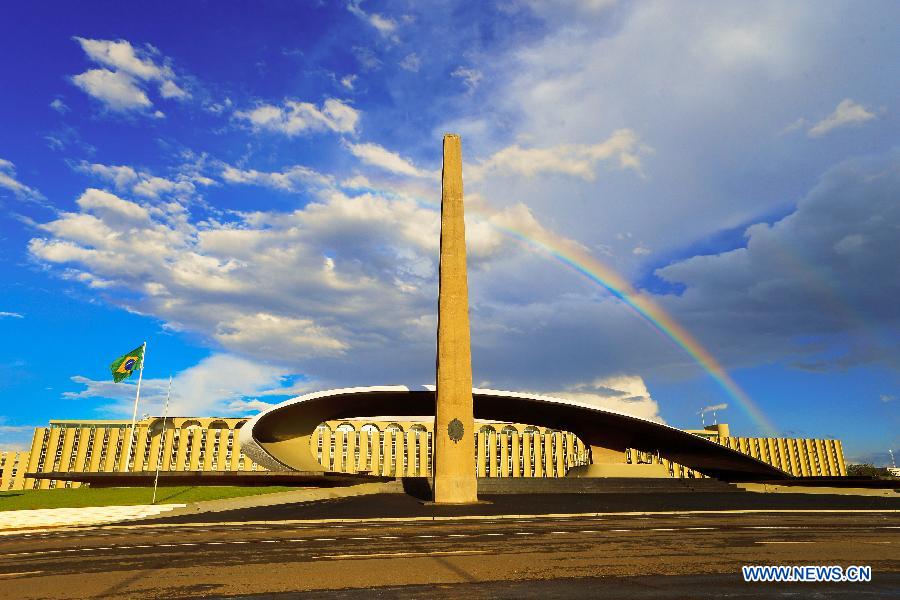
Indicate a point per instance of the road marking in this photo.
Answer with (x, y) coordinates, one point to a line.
(662, 529)
(389, 537)
(400, 554)
(418, 536)
(324, 539)
(19, 574)
(523, 533)
(239, 542)
(620, 530)
(456, 535)
(269, 541)
(559, 532)
(699, 528)
(492, 534)
(784, 542)
(214, 543)
(502, 518)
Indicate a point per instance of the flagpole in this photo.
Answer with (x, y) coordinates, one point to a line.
(162, 440)
(131, 445)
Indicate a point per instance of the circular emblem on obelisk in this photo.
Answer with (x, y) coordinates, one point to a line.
(455, 430)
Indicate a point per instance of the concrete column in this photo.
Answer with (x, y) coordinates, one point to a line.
(454, 423)
(536, 454)
(517, 451)
(842, 467)
(83, 438)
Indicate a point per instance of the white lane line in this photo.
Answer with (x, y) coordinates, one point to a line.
(588, 531)
(560, 532)
(784, 542)
(400, 554)
(239, 542)
(700, 528)
(494, 534)
(19, 574)
(456, 535)
(268, 541)
(368, 538)
(523, 533)
(388, 537)
(166, 545)
(482, 519)
(214, 543)
(662, 529)
(620, 530)
(418, 536)
(181, 544)
(324, 539)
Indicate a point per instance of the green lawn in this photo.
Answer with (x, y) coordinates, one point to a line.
(84, 496)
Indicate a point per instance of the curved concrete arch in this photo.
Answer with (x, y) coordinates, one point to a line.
(279, 438)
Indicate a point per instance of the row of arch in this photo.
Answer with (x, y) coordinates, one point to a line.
(392, 450)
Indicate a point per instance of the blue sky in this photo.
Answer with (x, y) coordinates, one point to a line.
(254, 191)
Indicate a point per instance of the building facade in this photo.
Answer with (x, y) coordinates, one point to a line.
(379, 447)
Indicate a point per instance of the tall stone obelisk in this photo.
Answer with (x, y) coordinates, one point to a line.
(454, 424)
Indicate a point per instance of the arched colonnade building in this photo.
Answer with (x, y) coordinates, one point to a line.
(393, 447)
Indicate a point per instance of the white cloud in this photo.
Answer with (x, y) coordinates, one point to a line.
(59, 106)
(577, 160)
(122, 56)
(846, 113)
(340, 274)
(411, 62)
(386, 26)
(623, 393)
(218, 385)
(887, 397)
(291, 179)
(9, 181)
(294, 118)
(357, 182)
(13, 315)
(122, 84)
(127, 179)
(115, 89)
(249, 406)
(470, 77)
(378, 156)
(170, 89)
(276, 335)
(712, 408)
(348, 81)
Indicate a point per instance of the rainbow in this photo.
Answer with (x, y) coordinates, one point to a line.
(599, 273)
(583, 263)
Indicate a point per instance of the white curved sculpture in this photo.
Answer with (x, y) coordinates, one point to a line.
(279, 437)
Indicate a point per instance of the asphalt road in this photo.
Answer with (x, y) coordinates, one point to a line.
(687, 555)
(405, 506)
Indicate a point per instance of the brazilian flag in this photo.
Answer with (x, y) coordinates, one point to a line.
(125, 365)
